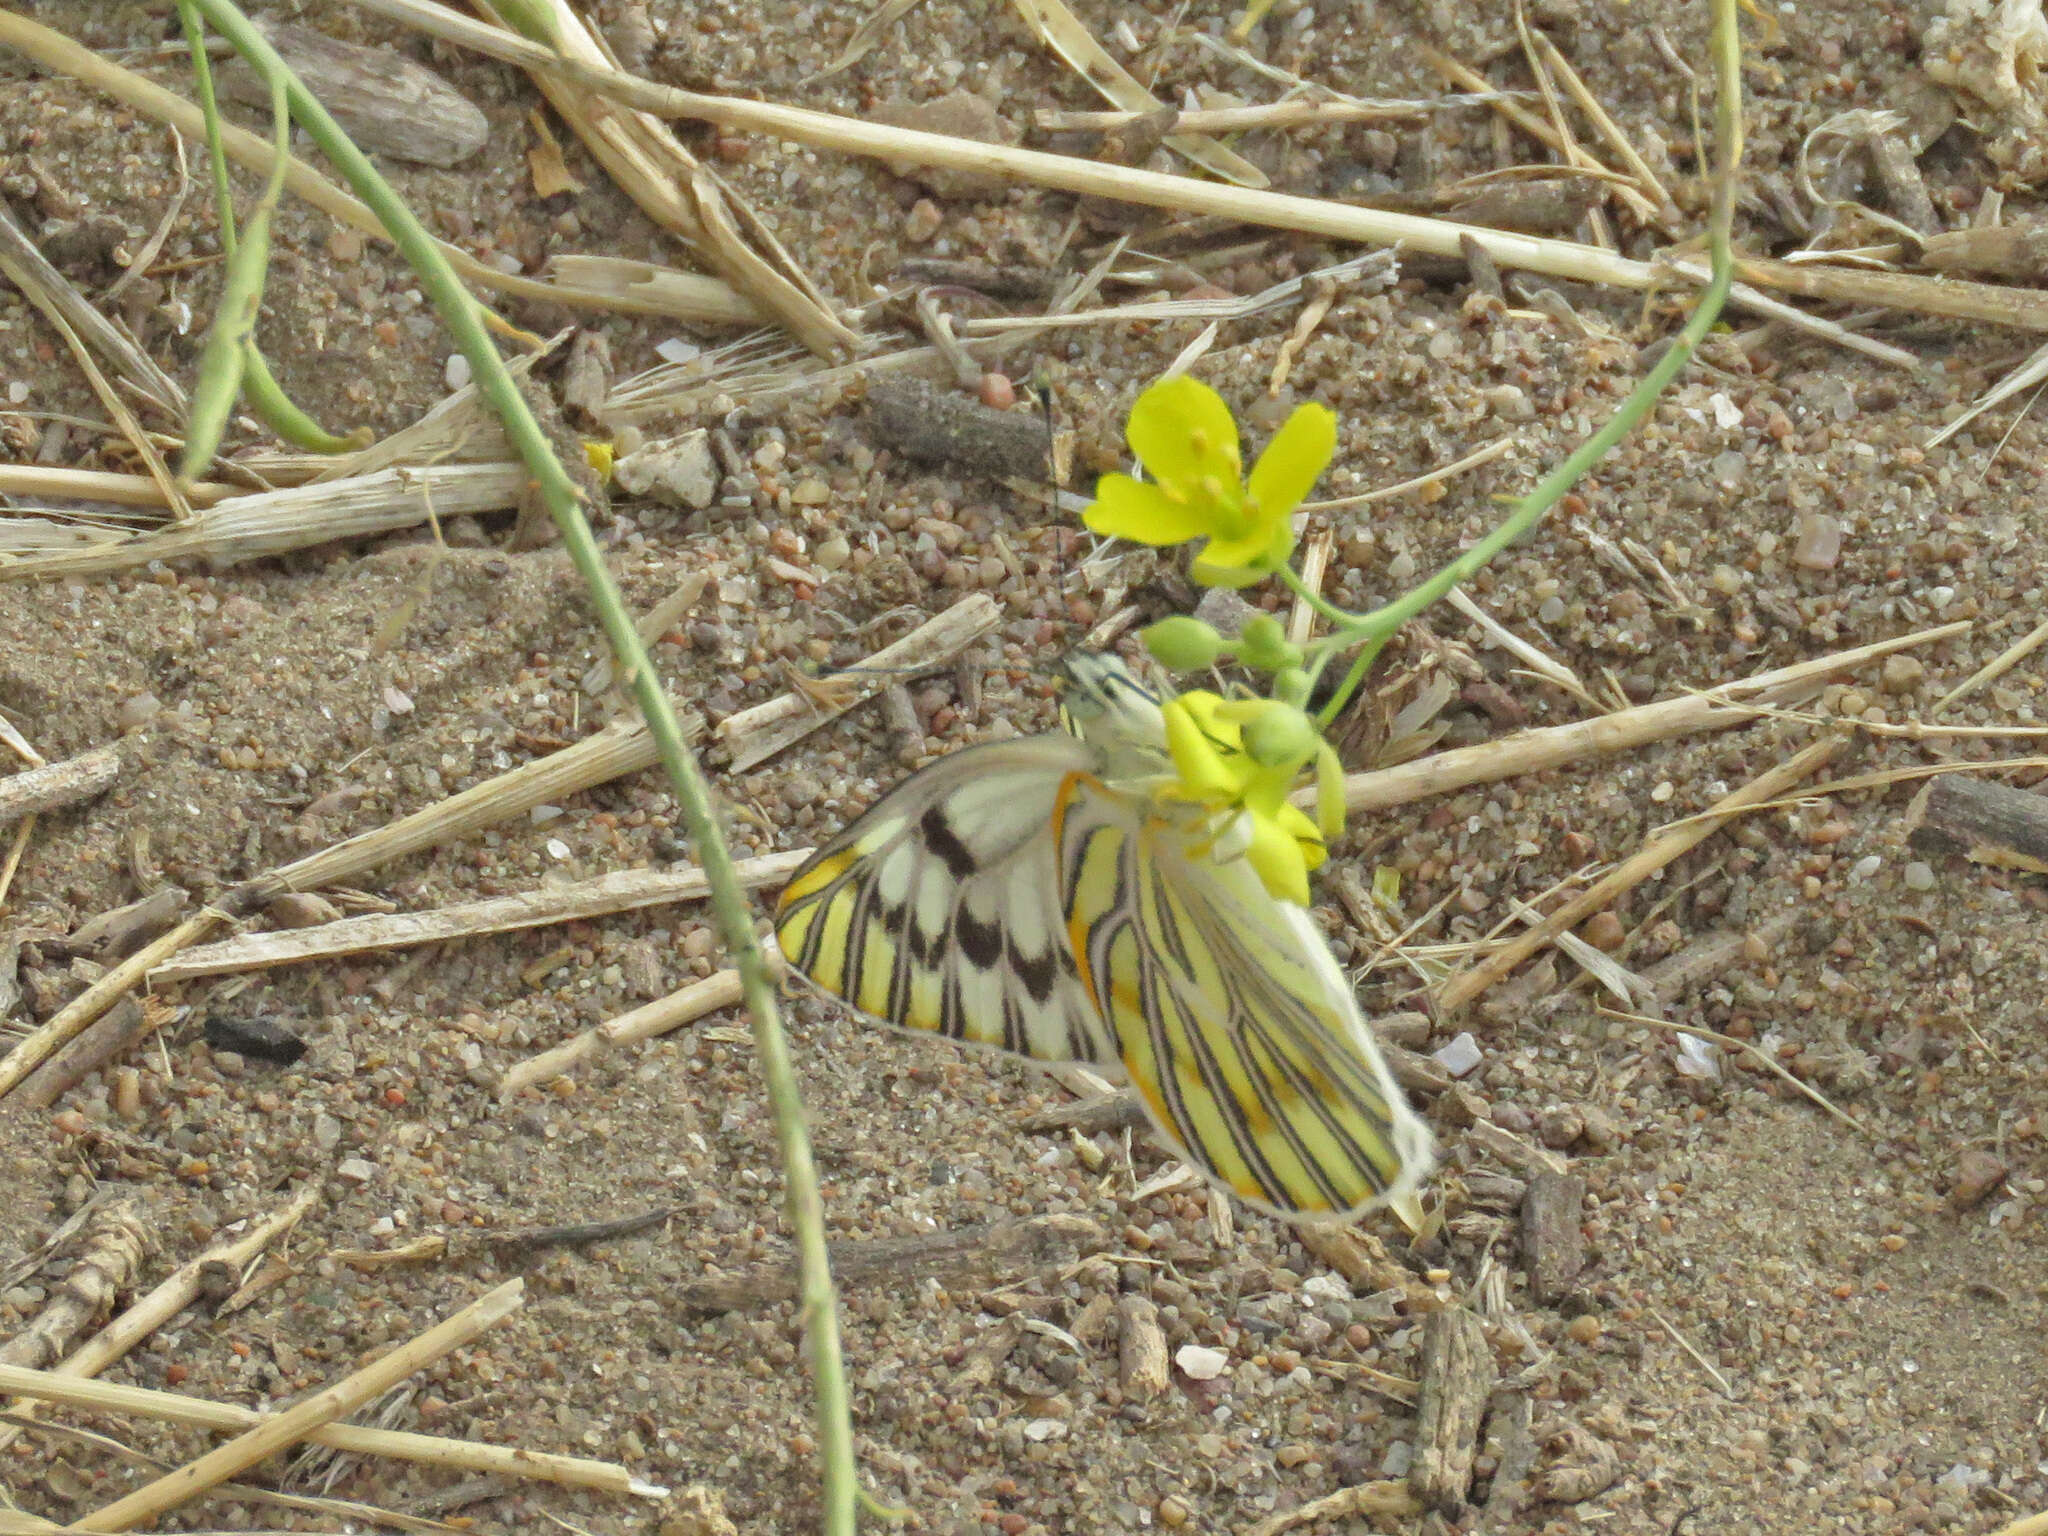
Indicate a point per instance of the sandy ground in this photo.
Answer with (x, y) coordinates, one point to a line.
(1782, 1323)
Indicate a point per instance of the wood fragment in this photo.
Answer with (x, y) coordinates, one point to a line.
(434, 1450)
(685, 1006)
(1358, 1256)
(1713, 955)
(627, 890)
(35, 790)
(1378, 1501)
(1657, 852)
(933, 425)
(1509, 1416)
(277, 1431)
(583, 1231)
(117, 934)
(1553, 1247)
(112, 1250)
(1982, 819)
(387, 103)
(958, 1256)
(1458, 1375)
(1143, 1369)
(1119, 1111)
(255, 527)
(108, 1037)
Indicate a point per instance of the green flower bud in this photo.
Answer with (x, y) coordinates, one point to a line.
(1291, 685)
(1182, 644)
(1264, 645)
(1281, 737)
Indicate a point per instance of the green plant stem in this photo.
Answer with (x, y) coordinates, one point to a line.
(1374, 629)
(729, 905)
(254, 380)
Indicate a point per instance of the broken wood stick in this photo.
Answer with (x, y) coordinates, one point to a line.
(95, 1000)
(171, 1296)
(1657, 852)
(277, 1431)
(681, 1007)
(113, 1250)
(961, 1255)
(436, 1450)
(35, 790)
(622, 891)
(100, 1042)
(1983, 820)
(1715, 709)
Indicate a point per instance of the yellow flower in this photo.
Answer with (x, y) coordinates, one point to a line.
(1240, 758)
(1183, 434)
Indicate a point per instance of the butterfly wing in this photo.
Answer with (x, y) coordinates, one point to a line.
(939, 909)
(1241, 1034)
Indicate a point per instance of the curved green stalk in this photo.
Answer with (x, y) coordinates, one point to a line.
(247, 372)
(1374, 629)
(729, 904)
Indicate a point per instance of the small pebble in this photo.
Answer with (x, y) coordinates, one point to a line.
(1978, 1172)
(922, 222)
(1919, 876)
(456, 371)
(1604, 932)
(997, 391)
(1198, 1362)
(1817, 543)
(1584, 1329)
(1460, 1055)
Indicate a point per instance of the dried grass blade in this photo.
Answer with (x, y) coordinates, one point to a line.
(1061, 30)
(622, 891)
(673, 188)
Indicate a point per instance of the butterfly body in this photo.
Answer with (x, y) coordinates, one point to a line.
(1049, 896)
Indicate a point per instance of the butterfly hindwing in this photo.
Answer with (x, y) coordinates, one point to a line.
(1238, 1029)
(939, 909)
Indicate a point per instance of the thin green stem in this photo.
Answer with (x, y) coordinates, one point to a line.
(729, 905)
(1377, 627)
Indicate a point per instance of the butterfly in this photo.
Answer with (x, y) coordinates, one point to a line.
(1043, 897)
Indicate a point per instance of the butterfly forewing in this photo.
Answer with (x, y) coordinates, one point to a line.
(940, 908)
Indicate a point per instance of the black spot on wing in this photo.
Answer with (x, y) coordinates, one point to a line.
(980, 942)
(1038, 973)
(938, 835)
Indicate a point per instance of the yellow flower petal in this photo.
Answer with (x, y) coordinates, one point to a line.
(1296, 457)
(1278, 861)
(1141, 512)
(1181, 431)
(1205, 772)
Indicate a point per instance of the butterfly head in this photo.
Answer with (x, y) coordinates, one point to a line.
(1104, 704)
